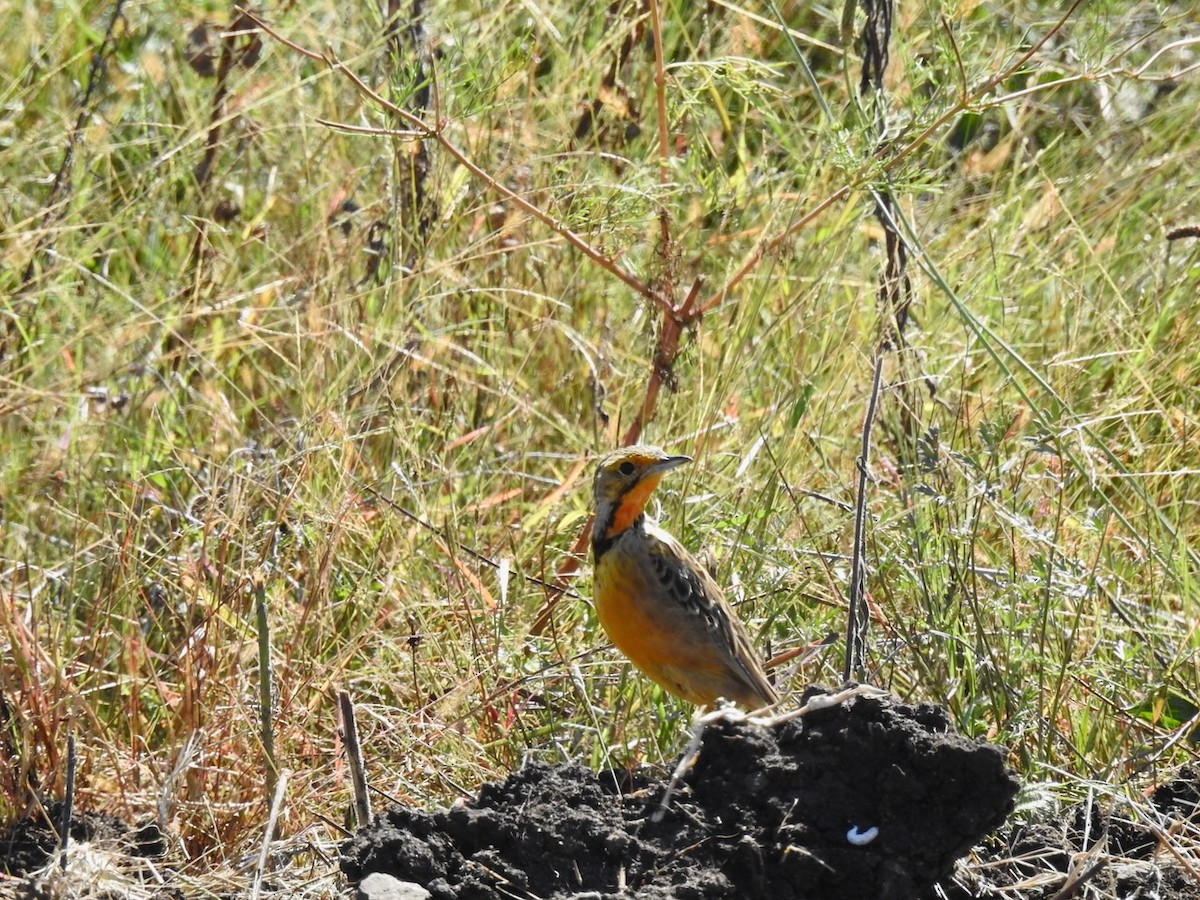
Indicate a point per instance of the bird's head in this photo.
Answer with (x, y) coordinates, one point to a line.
(624, 481)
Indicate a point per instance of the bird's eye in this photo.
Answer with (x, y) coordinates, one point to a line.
(626, 468)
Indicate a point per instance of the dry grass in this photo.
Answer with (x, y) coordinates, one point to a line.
(206, 386)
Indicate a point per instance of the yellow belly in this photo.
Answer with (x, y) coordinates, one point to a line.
(668, 643)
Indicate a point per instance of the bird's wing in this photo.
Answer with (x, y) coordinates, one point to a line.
(683, 577)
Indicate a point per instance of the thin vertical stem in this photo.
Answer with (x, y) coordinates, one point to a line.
(664, 138)
(856, 614)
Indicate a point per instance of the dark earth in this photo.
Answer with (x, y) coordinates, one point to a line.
(867, 798)
(768, 812)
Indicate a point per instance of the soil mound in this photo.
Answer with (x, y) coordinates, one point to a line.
(869, 797)
(1114, 851)
(760, 812)
(28, 843)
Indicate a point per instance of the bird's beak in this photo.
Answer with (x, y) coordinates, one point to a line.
(671, 462)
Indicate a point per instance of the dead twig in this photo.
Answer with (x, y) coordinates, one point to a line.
(354, 760)
(664, 141)
(856, 613)
(270, 833)
(68, 805)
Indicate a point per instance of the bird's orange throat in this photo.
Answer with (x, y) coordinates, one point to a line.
(632, 505)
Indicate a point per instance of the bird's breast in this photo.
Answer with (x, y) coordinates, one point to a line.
(641, 618)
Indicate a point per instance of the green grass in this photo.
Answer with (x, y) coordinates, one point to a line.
(194, 403)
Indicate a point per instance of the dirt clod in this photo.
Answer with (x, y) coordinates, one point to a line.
(762, 812)
(27, 844)
(1122, 855)
(869, 798)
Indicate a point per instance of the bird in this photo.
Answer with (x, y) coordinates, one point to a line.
(658, 604)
